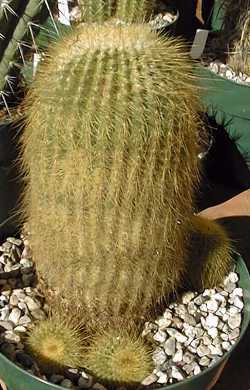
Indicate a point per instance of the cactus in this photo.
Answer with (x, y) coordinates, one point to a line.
(210, 256)
(18, 26)
(128, 11)
(134, 10)
(111, 147)
(56, 343)
(96, 10)
(118, 358)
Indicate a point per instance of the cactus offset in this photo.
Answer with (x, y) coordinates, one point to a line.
(56, 343)
(210, 256)
(112, 167)
(118, 358)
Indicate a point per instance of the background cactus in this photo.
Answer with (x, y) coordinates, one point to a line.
(210, 256)
(134, 10)
(111, 146)
(19, 23)
(129, 11)
(96, 10)
(117, 358)
(233, 42)
(56, 343)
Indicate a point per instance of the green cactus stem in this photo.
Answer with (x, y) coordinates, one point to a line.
(210, 255)
(96, 10)
(18, 25)
(111, 147)
(132, 11)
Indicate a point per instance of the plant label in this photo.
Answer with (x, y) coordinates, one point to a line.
(63, 8)
(199, 43)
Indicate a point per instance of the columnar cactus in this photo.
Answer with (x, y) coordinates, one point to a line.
(18, 24)
(111, 146)
(129, 11)
(134, 10)
(96, 10)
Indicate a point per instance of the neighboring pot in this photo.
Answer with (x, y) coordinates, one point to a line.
(10, 183)
(164, 27)
(229, 103)
(16, 378)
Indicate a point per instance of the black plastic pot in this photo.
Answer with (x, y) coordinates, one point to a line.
(10, 183)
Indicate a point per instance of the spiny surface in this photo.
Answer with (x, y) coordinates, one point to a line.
(210, 256)
(118, 358)
(111, 146)
(56, 344)
(133, 11)
(96, 10)
(129, 11)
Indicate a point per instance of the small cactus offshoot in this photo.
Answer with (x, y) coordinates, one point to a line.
(210, 257)
(116, 357)
(56, 344)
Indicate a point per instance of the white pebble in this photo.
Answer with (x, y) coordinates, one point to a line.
(187, 297)
(213, 332)
(238, 303)
(163, 323)
(178, 356)
(159, 356)
(234, 321)
(211, 321)
(15, 316)
(162, 377)
(177, 335)
(212, 305)
(160, 336)
(149, 380)
(177, 374)
(170, 346)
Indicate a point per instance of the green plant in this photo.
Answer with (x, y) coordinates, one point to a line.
(239, 58)
(233, 42)
(111, 147)
(56, 343)
(134, 10)
(210, 257)
(129, 11)
(96, 10)
(19, 23)
(117, 358)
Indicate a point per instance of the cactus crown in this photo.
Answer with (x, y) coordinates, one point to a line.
(112, 167)
(116, 357)
(56, 343)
